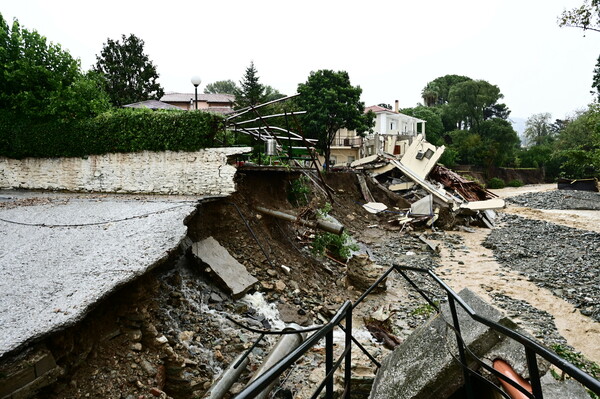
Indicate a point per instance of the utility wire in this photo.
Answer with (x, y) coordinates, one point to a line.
(93, 223)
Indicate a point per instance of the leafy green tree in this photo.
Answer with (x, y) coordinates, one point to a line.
(500, 142)
(437, 92)
(469, 100)
(586, 16)
(331, 103)
(578, 145)
(39, 79)
(596, 80)
(271, 94)
(129, 74)
(538, 129)
(221, 87)
(434, 130)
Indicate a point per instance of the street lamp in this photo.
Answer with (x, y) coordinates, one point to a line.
(196, 82)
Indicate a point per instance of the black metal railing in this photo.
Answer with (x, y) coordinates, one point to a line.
(325, 331)
(531, 347)
(347, 142)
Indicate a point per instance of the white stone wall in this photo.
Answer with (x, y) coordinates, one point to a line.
(204, 172)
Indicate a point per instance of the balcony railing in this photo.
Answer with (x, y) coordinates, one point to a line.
(347, 142)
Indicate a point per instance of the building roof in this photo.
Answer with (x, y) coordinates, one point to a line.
(152, 104)
(377, 108)
(209, 98)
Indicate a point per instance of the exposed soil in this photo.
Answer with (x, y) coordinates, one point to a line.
(168, 335)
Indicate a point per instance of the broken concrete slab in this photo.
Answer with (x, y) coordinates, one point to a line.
(440, 195)
(61, 253)
(494, 203)
(375, 207)
(565, 389)
(364, 161)
(423, 367)
(422, 207)
(230, 274)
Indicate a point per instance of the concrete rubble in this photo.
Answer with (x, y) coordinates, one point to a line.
(426, 364)
(427, 186)
(230, 274)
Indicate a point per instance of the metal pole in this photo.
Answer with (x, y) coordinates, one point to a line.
(348, 365)
(196, 95)
(461, 350)
(534, 373)
(329, 364)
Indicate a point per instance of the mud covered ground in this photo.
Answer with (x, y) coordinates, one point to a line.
(169, 335)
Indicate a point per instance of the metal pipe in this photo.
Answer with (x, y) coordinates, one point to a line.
(228, 378)
(319, 224)
(284, 346)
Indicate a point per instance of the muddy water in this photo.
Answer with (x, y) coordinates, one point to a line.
(474, 266)
(479, 271)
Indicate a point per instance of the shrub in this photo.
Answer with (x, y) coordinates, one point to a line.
(496, 182)
(298, 191)
(515, 183)
(119, 130)
(339, 246)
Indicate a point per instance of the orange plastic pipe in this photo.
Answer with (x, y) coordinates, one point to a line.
(504, 368)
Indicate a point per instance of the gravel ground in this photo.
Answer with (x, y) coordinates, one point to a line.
(562, 259)
(558, 199)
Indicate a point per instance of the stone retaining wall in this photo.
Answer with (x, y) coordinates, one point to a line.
(204, 172)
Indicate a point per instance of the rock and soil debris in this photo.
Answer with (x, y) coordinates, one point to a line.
(173, 337)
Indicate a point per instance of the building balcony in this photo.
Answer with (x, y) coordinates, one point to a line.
(351, 142)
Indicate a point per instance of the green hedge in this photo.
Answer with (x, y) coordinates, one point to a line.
(119, 130)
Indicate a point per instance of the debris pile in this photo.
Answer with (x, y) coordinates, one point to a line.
(431, 189)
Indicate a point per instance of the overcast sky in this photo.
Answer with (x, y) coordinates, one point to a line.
(390, 48)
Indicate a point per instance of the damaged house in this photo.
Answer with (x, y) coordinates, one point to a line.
(393, 133)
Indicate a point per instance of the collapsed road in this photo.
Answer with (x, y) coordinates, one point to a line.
(166, 334)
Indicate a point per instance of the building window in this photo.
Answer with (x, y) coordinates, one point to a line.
(351, 159)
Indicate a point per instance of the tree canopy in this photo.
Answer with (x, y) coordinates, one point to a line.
(538, 129)
(129, 74)
(435, 128)
(466, 115)
(39, 79)
(331, 103)
(586, 16)
(468, 102)
(437, 92)
(221, 87)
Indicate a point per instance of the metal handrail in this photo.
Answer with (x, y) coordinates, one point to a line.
(263, 381)
(532, 348)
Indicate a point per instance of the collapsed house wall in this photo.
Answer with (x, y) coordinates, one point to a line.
(204, 172)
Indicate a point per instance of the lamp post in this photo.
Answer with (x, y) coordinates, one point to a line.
(196, 82)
